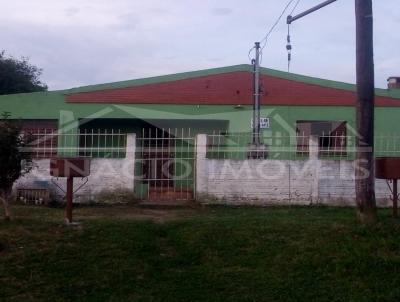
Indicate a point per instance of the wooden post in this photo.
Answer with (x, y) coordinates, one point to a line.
(395, 198)
(365, 184)
(68, 205)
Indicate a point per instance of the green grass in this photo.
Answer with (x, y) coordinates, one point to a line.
(212, 254)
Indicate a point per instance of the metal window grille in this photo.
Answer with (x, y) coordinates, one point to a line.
(282, 147)
(47, 143)
(387, 145)
(334, 145)
(41, 143)
(236, 146)
(102, 143)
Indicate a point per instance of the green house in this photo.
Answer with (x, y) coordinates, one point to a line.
(167, 112)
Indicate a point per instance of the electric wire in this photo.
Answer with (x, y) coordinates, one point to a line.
(248, 55)
(294, 8)
(265, 39)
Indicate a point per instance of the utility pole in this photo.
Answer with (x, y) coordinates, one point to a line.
(365, 172)
(256, 96)
(256, 150)
(365, 184)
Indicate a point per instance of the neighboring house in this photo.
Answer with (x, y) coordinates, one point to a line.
(91, 120)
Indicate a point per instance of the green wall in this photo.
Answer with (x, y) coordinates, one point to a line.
(51, 105)
(201, 118)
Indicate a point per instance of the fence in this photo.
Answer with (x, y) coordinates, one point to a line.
(387, 145)
(165, 164)
(100, 143)
(236, 146)
(331, 146)
(103, 143)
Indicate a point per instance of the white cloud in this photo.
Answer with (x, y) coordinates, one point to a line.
(80, 42)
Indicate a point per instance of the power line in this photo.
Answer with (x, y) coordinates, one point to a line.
(265, 39)
(294, 8)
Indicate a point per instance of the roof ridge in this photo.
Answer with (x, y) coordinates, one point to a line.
(325, 82)
(161, 79)
(214, 71)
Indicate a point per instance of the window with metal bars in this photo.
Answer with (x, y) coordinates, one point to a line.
(331, 135)
(41, 136)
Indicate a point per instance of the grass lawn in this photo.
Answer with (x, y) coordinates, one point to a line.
(208, 254)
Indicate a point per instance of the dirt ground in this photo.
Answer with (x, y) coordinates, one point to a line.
(156, 214)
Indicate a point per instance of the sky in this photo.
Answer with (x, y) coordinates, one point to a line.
(83, 42)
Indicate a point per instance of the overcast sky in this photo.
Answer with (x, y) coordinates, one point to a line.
(81, 42)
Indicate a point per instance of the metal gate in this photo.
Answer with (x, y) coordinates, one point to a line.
(165, 165)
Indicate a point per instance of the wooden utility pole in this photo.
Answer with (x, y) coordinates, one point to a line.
(365, 176)
(365, 172)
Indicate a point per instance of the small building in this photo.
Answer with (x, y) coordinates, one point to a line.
(166, 113)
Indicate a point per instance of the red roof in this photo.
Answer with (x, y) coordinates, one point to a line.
(231, 88)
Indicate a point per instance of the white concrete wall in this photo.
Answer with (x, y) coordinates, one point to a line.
(337, 184)
(229, 181)
(282, 182)
(105, 174)
(265, 182)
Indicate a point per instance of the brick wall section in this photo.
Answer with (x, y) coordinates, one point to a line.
(234, 88)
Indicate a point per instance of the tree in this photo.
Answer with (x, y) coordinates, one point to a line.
(18, 76)
(15, 159)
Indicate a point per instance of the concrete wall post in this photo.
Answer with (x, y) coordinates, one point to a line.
(313, 147)
(129, 165)
(201, 165)
(314, 160)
